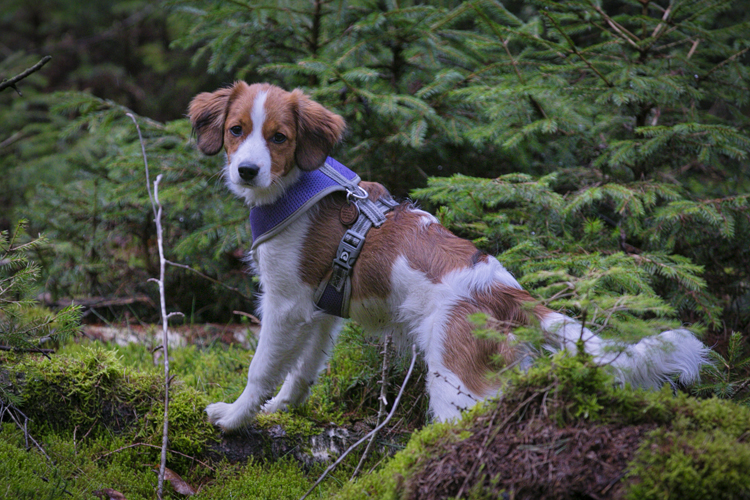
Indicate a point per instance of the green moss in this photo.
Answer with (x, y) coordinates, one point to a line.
(77, 467)
(93, 392)
(280, 480)
(694, 466)
(292, 422)
(21, 473)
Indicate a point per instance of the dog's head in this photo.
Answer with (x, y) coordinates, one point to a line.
(269, 135)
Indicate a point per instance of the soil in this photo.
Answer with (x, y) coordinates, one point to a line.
(522, 453)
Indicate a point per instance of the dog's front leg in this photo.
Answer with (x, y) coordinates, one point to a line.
(320, 337)
(279, 346)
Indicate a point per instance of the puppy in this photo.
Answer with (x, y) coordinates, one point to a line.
(413, 277)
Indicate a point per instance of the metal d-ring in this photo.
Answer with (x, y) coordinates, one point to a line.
(356, 195)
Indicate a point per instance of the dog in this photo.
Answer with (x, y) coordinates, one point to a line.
(413, 277)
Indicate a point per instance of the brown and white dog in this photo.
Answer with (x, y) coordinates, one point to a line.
(414, 278)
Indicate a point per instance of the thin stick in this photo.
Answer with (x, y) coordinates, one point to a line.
(25, 430)
(165, 338)
(153, 446)
(145, 161)
(12, 82)
(374, 431)
(382, 399)
(157, 209)
(209, 278)
(23, 349)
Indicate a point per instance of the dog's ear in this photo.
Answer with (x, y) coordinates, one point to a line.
(318, 130)
(207, 112)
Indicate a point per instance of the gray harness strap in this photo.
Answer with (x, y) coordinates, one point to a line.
(333, 295)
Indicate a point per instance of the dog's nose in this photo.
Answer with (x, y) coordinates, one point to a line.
(248, 171)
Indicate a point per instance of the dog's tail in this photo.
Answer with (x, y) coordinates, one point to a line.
(648, 364)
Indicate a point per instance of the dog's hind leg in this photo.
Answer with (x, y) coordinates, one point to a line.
(321, 335)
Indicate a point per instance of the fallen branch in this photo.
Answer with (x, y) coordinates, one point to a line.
(152, 446)
(12, 82)
(372, 432)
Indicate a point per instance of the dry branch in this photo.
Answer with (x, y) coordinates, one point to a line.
(157, 209)
(12, 82)
(382, 399)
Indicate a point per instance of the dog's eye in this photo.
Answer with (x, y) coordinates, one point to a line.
(236, 131)
(278, 138)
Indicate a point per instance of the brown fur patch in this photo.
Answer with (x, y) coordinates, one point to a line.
(474, 359)
(280, 119)
(322, 240)
(431, 249)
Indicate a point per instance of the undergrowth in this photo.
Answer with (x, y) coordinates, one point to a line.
(96, 410)
(548, 423)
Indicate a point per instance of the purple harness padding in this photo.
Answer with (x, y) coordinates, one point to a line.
(311, 187)
(266, 221)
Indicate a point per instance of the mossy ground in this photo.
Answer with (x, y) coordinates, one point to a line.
(564, 431)
(97, 411)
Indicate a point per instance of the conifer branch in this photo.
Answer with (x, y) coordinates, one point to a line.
(574, 50)
(722, 63)
(618, 28)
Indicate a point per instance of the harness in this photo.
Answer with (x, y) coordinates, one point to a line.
(266, 221)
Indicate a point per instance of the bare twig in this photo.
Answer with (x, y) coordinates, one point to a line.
(12, 82)
(164, 325)
(145, 161)
(157, 209)
(382, 399)
(372, 432)
(152, 446)
(209, 278)
(21, 349)
(10, 409)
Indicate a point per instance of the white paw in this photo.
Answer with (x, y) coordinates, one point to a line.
(273, 405)
(226, 416)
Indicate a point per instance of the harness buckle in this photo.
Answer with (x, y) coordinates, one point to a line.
(348, 251)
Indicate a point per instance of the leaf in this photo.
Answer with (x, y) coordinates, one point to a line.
(179, 484)
(109, 494)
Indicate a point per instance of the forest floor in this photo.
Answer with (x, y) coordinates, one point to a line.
(561, 430)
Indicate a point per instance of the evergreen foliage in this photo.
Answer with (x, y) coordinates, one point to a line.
(23, 324)
(616, 133)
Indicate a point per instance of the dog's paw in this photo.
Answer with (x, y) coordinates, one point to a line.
(225, 415)
(273, 405)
